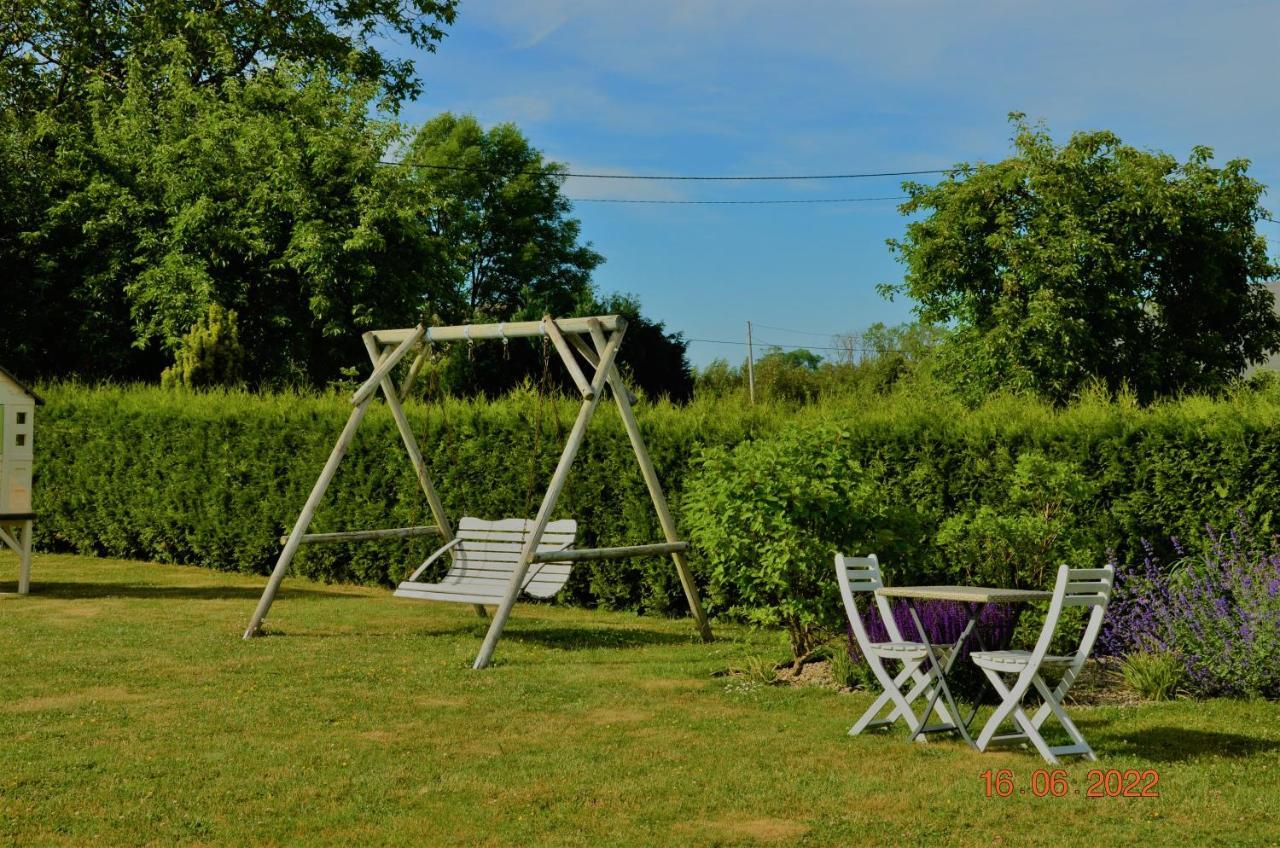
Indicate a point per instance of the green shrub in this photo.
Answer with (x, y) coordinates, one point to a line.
(215, 478)
(847, 672)
(768, 516)
(210, 354)
(1152, 675)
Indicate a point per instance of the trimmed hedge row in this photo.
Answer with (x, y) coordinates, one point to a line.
(214, 479)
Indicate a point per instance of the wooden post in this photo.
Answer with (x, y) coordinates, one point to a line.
(482, 332)
(304, 518)
(24, 559)
(383, 368)
(607, 354)
(650, 474)
(751, 368)
(411, 447)
(366, 535)
(593, 360)
(570, 362)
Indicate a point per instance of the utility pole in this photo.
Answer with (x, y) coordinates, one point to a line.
(751, 368)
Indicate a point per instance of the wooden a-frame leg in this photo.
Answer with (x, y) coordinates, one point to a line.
(24, 559)
(554, 488)
(412, 448)
(622, 398)
(304, 518)
(308, 512)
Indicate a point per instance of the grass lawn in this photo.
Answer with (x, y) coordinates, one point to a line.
(131, 712)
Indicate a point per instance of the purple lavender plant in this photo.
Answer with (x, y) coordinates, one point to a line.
(1220, 613)
(943, 621)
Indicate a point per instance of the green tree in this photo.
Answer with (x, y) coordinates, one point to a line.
(495, 206)
(768, 515)
(158, 157)
(655, 361)
(652, 360)
(52, 51)
(1091, 260)
(264, 195)
(210, 354)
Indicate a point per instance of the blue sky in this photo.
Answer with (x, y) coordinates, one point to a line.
(746, 87)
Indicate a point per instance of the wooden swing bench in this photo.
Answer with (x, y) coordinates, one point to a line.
(486, 555)
(494, 562)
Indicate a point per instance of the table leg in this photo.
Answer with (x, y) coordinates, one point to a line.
(941, 687)
(975, 615)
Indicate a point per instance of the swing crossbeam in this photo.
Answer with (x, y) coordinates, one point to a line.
(625, 552)
(511, 330)
(367, 535)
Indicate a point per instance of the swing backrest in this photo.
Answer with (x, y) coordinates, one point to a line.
(489, 550)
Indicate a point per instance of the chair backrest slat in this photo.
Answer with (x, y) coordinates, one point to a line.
(1077, 587)
(859, 575)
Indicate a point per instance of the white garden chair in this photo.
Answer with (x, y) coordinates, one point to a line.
(1074, 587)
(860, 575)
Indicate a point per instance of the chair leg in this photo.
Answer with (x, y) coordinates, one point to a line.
(921, 686)
(868, 718)
(1053, 703)
(1002, 711)
(1011, 708)
(892, 688)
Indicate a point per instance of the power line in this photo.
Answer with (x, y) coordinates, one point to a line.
(736, 202)
(682, 177)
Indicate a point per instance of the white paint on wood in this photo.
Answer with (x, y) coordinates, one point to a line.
(1026, 666)
(486, 555)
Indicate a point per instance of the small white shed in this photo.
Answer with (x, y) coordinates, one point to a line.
(17, 421)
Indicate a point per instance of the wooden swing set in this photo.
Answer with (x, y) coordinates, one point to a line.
(492, 560)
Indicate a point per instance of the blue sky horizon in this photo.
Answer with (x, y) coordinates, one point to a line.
(731, 87)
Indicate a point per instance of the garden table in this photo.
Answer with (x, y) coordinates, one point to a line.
(975, 600)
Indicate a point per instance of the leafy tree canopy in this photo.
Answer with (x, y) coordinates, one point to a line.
(494, 202)
(264, 196)
(51, 50)
(1091, 261)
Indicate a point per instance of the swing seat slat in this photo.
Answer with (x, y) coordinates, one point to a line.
(485, 554)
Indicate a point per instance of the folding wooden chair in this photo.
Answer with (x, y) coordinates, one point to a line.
(862, 574)
(1074, 587)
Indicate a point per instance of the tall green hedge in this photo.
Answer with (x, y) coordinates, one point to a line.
(215, 478)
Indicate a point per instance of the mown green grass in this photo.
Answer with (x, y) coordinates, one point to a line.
(132, 713)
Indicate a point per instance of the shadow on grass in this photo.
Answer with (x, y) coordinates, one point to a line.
(585, 638)
(1176, 744)
(87, 591)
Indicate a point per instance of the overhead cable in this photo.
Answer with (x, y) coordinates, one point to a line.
(683, 177)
